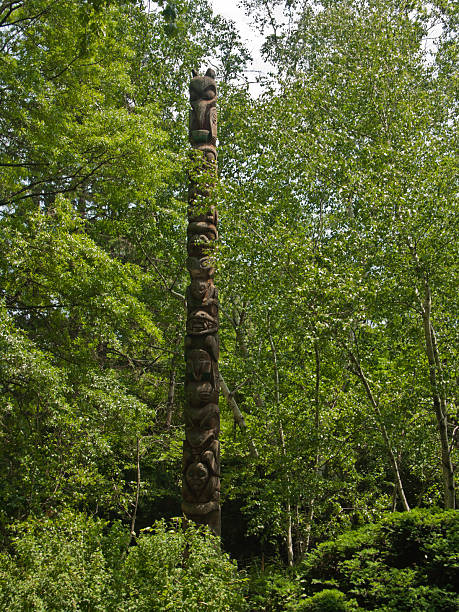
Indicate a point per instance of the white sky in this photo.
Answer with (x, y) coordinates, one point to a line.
(231, 10)
(250, 36)
(253, 40)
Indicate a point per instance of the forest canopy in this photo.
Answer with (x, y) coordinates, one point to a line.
(336, 267)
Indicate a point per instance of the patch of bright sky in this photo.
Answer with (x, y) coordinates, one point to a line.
(250, 36)
(253, 40)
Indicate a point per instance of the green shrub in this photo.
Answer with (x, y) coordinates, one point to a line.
(182, 570)
(77, 563)
(328, 600)
(60, 564)
(273, 590)
(409, 561)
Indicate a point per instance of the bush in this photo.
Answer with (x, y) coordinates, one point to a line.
(278, 590)
(77, 563)
(328, 600)
(59, 565)
(409, 561)
(182, 570)
(273, 589)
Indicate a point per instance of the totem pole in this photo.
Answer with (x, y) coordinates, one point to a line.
(201, 450)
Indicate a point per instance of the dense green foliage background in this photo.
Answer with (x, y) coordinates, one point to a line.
(337, 270)
(76, 562)
(408, 561)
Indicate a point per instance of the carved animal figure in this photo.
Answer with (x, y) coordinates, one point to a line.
(201, 448)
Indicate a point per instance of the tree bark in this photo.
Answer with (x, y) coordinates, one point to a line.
(288, 509)
(289, 538)
(436, 385)
(317, 459)
(171, 388)
(170, 395)
(137, 492)
(237, 415)
(393, 460)
(438, 398)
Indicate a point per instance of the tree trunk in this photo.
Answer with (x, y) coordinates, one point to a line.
(289, 538)
(310, 513)
(299, 543)
(288, 509)
(137, 492)
(171, 389)
(393, 460)
(436, 385)
(439, 398)
(237, 415)
(170, 396)
(308, 529)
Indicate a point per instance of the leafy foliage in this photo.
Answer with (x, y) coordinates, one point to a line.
(328, 600)
(273, 589)
(181, 570)
(407, 561)
(339, 219)
(74, 562)
(93, 219)
(337, 270)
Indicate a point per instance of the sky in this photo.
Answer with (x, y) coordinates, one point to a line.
(251, 38)
(231, 10)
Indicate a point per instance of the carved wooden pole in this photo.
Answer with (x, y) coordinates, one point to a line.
(201, 450)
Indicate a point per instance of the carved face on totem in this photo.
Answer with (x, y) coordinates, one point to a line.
(207, 342)
(210, 154)
(201, 392)
(211, 421)
(201, 232)
(199, 365)
(196, 242)
(196, 476)
(200, 323)
(201, 289)
(199, 243)
(197, 438)
(203, 95)
(198, 214)
(199, 266)
(205, 417)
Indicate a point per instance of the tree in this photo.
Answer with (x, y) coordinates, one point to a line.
(93, 200)
(340, 207)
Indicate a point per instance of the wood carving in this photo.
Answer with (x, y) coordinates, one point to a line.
(201, 448)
